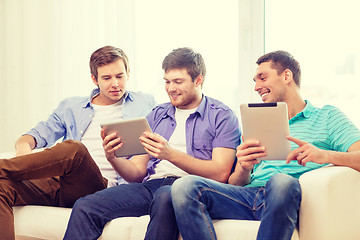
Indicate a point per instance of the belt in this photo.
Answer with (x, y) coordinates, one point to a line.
(171, 176)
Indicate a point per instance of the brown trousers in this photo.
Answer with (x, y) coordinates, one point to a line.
(57, 176)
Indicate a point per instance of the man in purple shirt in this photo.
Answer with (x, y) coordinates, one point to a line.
(192, 134)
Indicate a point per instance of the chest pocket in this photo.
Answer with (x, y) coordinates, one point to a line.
(203, 144)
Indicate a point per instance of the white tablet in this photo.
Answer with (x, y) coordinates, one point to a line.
(268, 123)
(129, 130)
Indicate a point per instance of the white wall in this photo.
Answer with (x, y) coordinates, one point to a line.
(46, 45)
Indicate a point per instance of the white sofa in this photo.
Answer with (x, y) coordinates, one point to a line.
(329, 211)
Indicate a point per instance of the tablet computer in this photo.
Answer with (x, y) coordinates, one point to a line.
(129, 130)
(268, 123)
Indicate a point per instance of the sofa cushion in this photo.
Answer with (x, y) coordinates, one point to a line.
(40, 222)
(133, 228)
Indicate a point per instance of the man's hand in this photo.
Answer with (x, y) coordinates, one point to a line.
(24, 145)
(307, 153)
(23, 150)
(156, 146)
(248, 153)
(111, 143)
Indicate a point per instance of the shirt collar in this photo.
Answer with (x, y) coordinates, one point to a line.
(309, 108)
(96, 91)
(128, 96)
(306, 112)
(200, 109)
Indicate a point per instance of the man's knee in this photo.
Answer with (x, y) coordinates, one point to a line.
(284, 181)
(184, 184)
(161, 202)
(75, 146)
(83, 206)
(162, 195)
(184, 189)
(75, 150)
(284, 188)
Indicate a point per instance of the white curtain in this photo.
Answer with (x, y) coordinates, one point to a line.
(45, 47)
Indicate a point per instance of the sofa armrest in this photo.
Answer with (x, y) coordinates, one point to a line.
(7, 155)
(330, 204)
(13, 154)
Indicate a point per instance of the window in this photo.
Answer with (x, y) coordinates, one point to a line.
(226, 33)
(47, 46)
(322, 36)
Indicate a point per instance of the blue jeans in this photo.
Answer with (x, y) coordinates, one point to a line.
(92, 212)
(196, 201)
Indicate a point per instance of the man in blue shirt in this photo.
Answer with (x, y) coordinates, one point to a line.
(58, 176)
(193, 134)
(268, 190)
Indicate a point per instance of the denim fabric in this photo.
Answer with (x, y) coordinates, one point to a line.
(91, 213)
(197, 201)
(212, 125)
(161, 211)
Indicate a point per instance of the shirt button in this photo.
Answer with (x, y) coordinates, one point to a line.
(173, 124)
(204, 146)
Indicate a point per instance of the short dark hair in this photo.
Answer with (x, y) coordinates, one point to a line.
(282, 60)
(185, 58)
(107, 55)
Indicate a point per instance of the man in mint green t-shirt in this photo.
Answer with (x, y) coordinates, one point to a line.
(319, 136)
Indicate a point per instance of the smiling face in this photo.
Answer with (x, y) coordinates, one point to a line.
(112, 80)
(182, 91)
(269, 84)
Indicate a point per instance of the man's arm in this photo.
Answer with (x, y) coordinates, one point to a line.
(218, 168)
(309, 153)
(24, 145)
